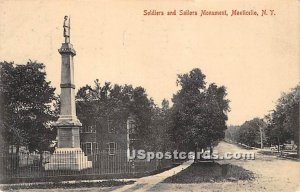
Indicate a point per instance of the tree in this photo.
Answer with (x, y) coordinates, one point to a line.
(217, 108)
(118, 103)
(199, 113)
(231, 133)
(159, 128)
(2, 144)
(283, 122)
(27, 105)
(250, 132)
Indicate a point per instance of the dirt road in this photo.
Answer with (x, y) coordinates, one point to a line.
(271, 174)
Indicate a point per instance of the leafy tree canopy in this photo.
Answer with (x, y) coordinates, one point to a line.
(118, 103)
(199, 112)
(283, 122)
(27, 97)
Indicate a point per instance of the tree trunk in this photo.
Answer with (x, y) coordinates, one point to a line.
(261, 138)
(278, 144)
(211, 152)
(17, 158)
(41, 160)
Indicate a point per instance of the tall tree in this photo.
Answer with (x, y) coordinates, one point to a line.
(199, 114)
(283, 122)
(159, 128)
(27, 106)
(118, 103)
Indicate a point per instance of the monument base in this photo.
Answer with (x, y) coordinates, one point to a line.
(68, 159)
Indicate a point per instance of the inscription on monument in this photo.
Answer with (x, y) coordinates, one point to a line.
(65, 137)
(76, 137)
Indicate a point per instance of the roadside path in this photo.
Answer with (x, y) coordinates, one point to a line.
(146, 183)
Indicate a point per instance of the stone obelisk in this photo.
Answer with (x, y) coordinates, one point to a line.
(68, 155)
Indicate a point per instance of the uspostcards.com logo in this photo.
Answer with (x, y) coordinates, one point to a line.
(206, 155)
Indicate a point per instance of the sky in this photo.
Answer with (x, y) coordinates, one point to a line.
(256, 58)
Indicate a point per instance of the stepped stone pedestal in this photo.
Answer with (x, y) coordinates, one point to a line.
(68, 159)
(68, 155)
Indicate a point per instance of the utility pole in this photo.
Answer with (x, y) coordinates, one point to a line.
(261, 134)
(261, 138)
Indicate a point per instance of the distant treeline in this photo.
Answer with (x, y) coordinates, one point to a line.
(276, 128)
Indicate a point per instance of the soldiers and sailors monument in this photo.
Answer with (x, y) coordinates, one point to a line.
(68, 155)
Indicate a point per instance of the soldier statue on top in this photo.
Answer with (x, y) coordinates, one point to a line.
(67, 29)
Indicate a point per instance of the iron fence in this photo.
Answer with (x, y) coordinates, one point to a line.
(25, 165)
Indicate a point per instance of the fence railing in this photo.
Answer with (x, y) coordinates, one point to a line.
(24, 165)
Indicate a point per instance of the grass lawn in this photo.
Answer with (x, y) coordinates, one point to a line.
(108, 183)
(210, 172)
